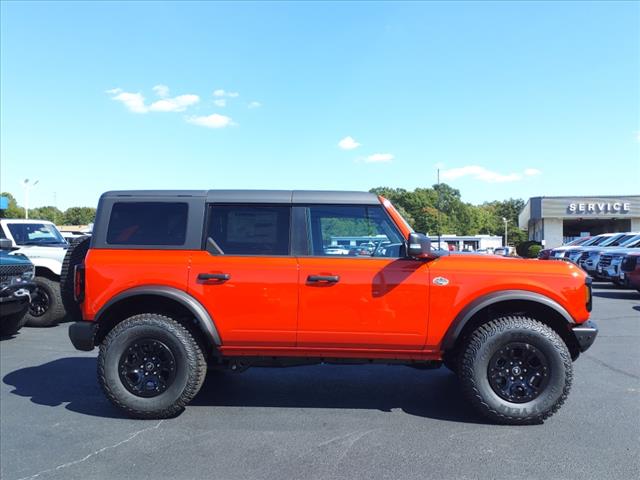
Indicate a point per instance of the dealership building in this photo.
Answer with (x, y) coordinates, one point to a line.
(556, 220)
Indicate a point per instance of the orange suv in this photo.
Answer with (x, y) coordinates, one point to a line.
(175, 282)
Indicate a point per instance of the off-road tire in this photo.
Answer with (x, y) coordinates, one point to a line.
(75, 255)
(191, 367)
(488, 339)
(54, 311)
(10, 324)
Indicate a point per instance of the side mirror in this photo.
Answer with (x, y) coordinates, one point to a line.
(5, 244)
(419, 246)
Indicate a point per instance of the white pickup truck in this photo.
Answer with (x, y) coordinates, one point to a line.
(42, 243)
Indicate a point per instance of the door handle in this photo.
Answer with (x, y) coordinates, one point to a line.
(221, 277)
(323, 278)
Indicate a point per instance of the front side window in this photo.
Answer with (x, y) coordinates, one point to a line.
(360, 231)
(147, 223)
(248, 230)
(35, 234)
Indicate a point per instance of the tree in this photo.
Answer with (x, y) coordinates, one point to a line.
(50, 213)
(79, 216)
(14, 211)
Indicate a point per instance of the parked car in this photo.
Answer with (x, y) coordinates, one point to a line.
(174, 283)
(550, 253)
(42, 243)
(16, 287)
(590, 257)
(630, 271)
(608, 267)
(579, 254)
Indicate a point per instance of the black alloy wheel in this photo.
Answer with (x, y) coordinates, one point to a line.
(147, 368)
(40, 302)
(518, 372)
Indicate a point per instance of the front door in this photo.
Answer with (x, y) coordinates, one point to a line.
(357, 290)
(246, 278)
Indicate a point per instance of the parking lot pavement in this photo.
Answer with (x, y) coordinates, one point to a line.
(319, 422)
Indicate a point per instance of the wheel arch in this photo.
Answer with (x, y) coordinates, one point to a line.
(512, 302)
(45, 271)
(158, 299)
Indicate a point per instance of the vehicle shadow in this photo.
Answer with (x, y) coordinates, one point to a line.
(433, 394)
(621, 294)
(66, 381)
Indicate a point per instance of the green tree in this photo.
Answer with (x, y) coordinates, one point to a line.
(50, 213)
(78, 216)
(14, 210)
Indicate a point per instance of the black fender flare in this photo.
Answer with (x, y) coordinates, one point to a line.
(199, 312)
(496, 297)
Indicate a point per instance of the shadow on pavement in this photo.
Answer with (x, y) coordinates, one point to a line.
(433, 394)
(70, 381)
(624, 294)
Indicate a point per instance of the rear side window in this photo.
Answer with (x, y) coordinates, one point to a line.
(147, 223)
(248, 230)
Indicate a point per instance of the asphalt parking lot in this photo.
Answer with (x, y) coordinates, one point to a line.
(319, 422)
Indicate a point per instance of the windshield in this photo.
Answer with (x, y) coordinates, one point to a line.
(35, 234)
(611, 241)
(577, 241)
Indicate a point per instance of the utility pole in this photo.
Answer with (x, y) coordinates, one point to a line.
(505, 230)
(27, 186)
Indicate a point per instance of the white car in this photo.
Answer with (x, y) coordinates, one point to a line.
(42, 243)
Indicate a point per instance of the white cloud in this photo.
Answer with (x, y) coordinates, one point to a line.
(133, 101)
(161, 90)
(348, 143)
(220, 102)
(254, 105)
(379, 158)
(485, 175)
(175, 104)
(212, 121)
(223, 93)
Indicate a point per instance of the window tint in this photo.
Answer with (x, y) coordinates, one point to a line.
(147, 223)
(362, 231)
(248, 230)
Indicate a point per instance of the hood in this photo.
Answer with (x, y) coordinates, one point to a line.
(7, 258)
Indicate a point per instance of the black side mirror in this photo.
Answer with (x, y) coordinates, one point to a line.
(419, 246)
(5, 244)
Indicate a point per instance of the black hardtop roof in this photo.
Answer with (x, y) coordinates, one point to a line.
(253, 196)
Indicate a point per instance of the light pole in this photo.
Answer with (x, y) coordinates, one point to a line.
(505, 230)
(26, 185)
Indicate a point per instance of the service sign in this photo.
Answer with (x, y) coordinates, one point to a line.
(599, 207)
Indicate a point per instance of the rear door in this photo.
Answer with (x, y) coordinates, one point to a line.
(246, 277)
(357, 289)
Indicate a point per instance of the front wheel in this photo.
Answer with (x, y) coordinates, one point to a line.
(150, 366)
(516, 370)
(45, 309)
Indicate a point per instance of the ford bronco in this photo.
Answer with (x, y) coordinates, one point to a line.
(175, 282)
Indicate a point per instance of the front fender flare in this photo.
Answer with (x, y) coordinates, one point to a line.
(199, 312)
(493, 298)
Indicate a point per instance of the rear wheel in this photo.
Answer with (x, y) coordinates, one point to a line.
(516, 370)
(45, 309)
(150, 366)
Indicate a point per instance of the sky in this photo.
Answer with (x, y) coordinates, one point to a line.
(507, 99)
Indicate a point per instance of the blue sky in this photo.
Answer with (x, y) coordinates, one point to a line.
(508, 99)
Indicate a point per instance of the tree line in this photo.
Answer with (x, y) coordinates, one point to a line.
(440, 210)
(71, 216)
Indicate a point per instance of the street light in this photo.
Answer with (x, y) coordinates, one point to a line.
(26, 185)
(505, 230)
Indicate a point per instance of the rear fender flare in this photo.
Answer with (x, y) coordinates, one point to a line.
(199, 312)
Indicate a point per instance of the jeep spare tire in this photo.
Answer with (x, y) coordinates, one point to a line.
(75, 256)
